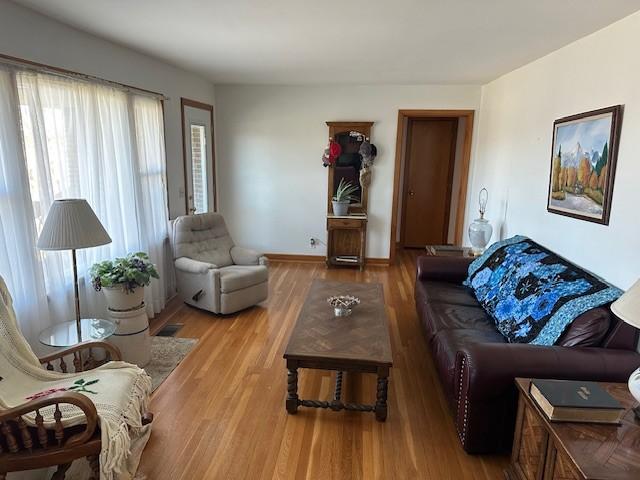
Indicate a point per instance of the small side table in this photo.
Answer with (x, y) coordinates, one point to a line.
(65, 334)
(565, 450)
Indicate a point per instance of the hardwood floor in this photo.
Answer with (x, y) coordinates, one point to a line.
(221, 413)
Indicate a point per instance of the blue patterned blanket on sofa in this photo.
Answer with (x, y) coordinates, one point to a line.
(532, 293)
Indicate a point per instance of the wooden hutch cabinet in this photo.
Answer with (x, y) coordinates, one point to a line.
(347, 234)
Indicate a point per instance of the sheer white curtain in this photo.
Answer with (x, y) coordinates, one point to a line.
(19, 261)
(87, 140)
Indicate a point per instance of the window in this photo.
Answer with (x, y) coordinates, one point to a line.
(199, 168)
(84, 139)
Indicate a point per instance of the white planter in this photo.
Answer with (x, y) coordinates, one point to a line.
(120, 300)
(132, 335)
(341, 209)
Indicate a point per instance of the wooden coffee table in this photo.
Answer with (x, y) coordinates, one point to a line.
(357, 343)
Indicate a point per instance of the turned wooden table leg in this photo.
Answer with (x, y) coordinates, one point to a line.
(381, 395)
(292, 387)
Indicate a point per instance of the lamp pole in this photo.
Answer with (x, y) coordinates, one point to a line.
(76, 293)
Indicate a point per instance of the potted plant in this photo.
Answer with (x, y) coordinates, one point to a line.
(123, 280)
(343, 197)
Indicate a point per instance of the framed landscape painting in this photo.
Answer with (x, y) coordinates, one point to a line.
(583, 164)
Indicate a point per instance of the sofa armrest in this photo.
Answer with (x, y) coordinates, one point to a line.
(446, 269)
(489, 369)
(189, 265)
(485, 384)
(246, 256)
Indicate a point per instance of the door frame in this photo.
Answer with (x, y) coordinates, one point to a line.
(401, 137)
(185, 102)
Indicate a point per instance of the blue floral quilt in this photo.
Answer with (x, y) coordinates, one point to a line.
(532, 293)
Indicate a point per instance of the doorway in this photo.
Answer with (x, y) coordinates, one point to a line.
(433, 151)
(199, 164)
(428, 181)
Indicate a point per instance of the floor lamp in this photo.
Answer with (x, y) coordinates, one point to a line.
(71, 224)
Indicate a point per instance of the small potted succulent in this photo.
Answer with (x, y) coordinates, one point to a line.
(343, 197)
(123, 280)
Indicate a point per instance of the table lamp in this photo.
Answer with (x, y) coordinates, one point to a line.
(627, 309)
(71, 224)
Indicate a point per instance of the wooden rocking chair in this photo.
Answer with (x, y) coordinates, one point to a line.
(23, 447)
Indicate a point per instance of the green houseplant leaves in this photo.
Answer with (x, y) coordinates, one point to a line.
(134, 270)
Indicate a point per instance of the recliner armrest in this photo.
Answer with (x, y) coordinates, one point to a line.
(487, 370)
(190, 265)
(446, 269)
(246, 256)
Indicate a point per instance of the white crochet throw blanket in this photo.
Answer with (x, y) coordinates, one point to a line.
(119, 391)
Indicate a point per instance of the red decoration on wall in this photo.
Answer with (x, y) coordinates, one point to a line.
(334, 150)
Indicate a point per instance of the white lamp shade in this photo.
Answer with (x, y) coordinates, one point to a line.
(72, 224)
(627, 307)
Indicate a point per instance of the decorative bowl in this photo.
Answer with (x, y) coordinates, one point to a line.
(343, 304)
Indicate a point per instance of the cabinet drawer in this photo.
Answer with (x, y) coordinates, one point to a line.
(345, 223)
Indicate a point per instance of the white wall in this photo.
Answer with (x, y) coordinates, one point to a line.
(271, 183)
(34, 37)
(514, 148)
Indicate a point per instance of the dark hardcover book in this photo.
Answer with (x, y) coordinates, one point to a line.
(576, 401)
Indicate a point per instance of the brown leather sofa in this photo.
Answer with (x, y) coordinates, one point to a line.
(477, 367)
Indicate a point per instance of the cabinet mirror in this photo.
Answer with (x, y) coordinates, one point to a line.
(347, 167)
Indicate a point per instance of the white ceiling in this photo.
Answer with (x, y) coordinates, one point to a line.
(341, 42)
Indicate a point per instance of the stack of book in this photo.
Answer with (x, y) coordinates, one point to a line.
(575, 401)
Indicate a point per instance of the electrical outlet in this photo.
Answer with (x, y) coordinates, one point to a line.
(313, 242)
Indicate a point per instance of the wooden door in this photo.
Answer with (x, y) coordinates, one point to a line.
(428, 177)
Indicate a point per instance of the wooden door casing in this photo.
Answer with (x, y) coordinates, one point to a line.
(428, 179)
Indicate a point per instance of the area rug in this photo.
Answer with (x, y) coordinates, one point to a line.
(166, 354)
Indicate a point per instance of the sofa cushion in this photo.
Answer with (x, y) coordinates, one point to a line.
(444, 347)
(436, 314)
(533, 293)
(588, 330)
(237, 277)
(203, 237)
(445, 292)
(445, 316)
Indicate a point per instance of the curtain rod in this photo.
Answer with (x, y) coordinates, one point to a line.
(64, 73)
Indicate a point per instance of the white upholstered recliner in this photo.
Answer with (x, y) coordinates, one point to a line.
(211, 272)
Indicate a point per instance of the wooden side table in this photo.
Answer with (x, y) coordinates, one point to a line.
(545, 450)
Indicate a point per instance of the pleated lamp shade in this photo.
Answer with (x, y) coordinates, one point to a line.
(627, 307)
(72, 224)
